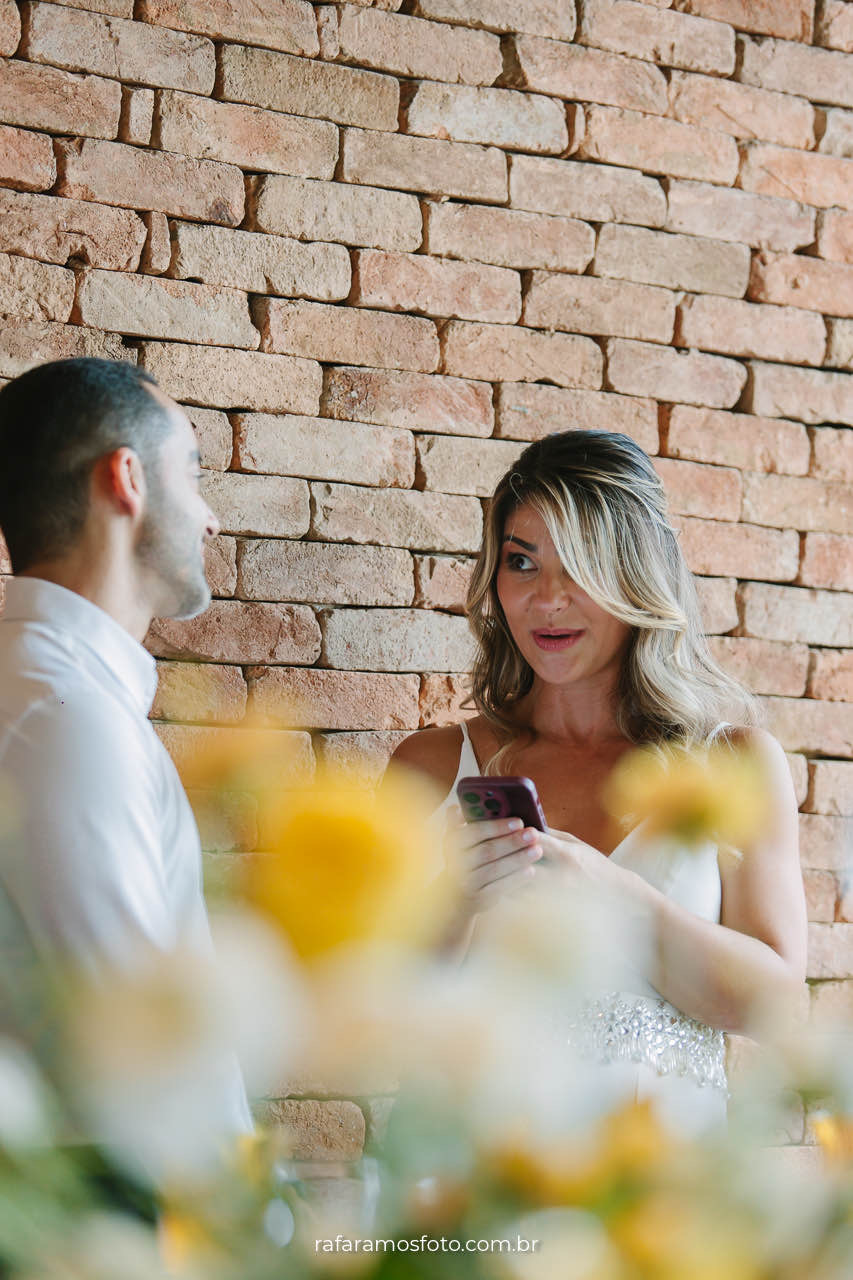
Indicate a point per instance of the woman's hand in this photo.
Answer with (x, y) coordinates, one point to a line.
(496, 857)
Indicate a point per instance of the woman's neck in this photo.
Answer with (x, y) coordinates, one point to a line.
(579, 715)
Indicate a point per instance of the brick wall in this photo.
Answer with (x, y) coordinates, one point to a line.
(375, 251)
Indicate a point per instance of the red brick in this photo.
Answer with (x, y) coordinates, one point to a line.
(10, 27)
(504, 353)
(336, 333)
(742, 110)
(585, 304)
(28, 343)
(764, 666)
(395, 517)
(821, 893)
(528, 412)
(113, 173)
(148, 306)
(722, 548)
(214, 435)
(807, 394)
(441, 582)
(760, 221)
(508, 237)
(334, 699)
(425, 164)
(323, 449)
(588, 75)
(230, 379)
(802, 724)
(26, 160)
(118, 8)
(395, 640)
(643, 31)
(234, 631)
(839, 351)
(324, 573)
(361, 757)
(718, 604)
(644, 369)
(258, 506)
(832, 674)
(157, 254)
(500, 117)
(246, 136)
(260, 263)
(415, 282)
(834, 26)
(46, 98)
(796, 614)
(81, 41)
(818, 74)
(287, 25)
(739, 328)
(835, 235)
(288, 757)
(823, 842)
(674, 261)
(444, 699)
(303, 87)
(555, 18)
(417, 401)
(833, 453)
(790, 19)
(794, 280)
(697, 490)
(814, 179)
(798, 502)
(220, 565)
(831, 787)
(830, 951)
(336, 211)
(410, 46)
(31, 290)
(456, 464)
(799, 776)
(137, 116)
(658, 146)
(200, 693)
(738, 440)
(602, 193)
(837, 137)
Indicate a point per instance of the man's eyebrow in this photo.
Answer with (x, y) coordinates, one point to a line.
(194, 456)
(513, 537)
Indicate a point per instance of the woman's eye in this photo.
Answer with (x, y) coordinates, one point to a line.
(521, 563)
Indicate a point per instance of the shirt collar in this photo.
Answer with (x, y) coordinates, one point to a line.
(88, 626)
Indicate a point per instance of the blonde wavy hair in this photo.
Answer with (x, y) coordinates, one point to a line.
(605, 509)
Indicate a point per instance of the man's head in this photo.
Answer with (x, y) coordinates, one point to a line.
(92, 448)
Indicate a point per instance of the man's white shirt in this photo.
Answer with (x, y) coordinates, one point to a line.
(100, 859)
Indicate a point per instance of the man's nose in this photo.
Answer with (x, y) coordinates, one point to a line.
(212, 526)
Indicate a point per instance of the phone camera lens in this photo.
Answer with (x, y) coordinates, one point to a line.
(471, 797)
(493, 805)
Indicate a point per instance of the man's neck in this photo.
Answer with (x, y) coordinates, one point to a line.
(101, 585)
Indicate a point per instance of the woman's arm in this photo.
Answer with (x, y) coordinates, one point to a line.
(720, 973)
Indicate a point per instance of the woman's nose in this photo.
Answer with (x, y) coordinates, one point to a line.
(553, 589)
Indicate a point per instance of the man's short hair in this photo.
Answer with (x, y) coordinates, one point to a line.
(56, 421)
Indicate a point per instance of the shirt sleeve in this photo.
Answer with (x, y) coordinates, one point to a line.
(85, 866)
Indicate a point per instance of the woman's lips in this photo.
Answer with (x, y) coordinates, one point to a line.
(557, 639)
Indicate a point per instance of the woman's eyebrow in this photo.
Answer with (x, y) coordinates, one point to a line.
(513, 537)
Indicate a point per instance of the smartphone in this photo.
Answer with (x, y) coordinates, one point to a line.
(482, 798)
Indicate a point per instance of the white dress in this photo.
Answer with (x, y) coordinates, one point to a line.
(647, 1046)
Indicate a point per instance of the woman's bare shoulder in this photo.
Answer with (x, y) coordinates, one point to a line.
(434, 752)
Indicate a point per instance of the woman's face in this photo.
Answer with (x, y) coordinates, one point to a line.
(560, 631)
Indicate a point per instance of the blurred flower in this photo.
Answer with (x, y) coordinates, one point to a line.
(834, 1134)
(720, 794)
(99, 1246)
(346, 867)
(26, 1118)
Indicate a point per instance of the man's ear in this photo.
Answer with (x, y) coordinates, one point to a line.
(120, 479)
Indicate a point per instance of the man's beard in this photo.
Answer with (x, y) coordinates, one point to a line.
(169, 548)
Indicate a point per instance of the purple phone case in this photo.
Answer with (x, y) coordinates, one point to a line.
(482, 798)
